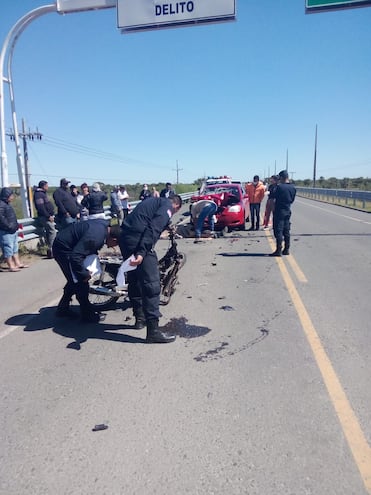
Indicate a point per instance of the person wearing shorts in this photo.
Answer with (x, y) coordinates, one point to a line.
(9, 231)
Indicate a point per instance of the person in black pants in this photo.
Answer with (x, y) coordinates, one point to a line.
(140, 232)
(284, 196)
(45, 215)
(68, 209)
(70, 248)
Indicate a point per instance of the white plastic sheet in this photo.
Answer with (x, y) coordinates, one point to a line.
(125, 267)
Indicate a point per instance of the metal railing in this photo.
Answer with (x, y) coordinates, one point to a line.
(347, 197)
(29, 230)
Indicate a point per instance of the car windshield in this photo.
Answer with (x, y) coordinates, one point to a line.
(222, 189)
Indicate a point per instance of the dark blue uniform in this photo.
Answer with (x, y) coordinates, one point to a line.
(71, 246)
(140, 232)
(284, 196)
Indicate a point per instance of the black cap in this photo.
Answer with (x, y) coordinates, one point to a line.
(42, 183)
(283, 174)
(65, 182)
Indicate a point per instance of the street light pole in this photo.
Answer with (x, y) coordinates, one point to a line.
(12, 37)
(61, 7)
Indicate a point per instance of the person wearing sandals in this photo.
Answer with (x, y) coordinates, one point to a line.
(9, 231)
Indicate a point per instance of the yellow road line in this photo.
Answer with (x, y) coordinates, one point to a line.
(295, 267)
(352, 430)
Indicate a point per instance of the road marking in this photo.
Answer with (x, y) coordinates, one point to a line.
(7, 331)
(295, 267)
(334, 212)
(349, 423)
(10, 329)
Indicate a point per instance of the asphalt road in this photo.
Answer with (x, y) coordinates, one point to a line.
(265, 391)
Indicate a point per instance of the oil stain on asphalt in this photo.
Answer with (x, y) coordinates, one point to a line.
(180, 327)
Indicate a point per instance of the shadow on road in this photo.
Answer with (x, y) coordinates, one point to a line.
(73, 329)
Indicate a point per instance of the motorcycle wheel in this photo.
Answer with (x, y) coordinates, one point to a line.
(101, 301)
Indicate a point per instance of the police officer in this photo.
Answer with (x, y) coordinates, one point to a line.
(284, 196)
(140, 232)
(70, 248)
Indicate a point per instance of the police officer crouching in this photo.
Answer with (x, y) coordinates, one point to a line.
(70, 248)
(140, 232)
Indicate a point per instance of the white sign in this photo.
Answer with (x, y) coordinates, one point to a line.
(134, 15)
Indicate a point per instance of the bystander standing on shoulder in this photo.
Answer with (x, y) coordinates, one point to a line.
(116, 206)
(255, 191)
(269, 207)
(68, 209)
(84, 191)
(45, 216)
(124, 198)
(155, 193)
(168, 191)
(144, 193)
(94, 202)
(9, 231)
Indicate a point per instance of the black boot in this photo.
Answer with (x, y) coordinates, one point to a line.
(252, 227)
(63, 308)
(92, 317)
(278, 251)
(286, 250)
(156, 336)
(140, 319)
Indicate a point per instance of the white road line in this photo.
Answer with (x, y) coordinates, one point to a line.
(333, 212)
(10, 328)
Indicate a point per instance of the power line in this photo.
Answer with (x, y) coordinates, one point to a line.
(82, 149)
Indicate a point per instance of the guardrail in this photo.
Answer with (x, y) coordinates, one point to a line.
(346, 197)
(28, 230)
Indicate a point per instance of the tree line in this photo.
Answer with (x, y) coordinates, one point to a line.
(360, 183)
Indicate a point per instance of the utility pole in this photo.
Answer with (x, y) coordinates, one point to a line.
(315, 159)
(287, 160)
(177, 172)
(27, 136)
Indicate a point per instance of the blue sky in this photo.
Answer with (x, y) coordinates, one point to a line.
(215, 99)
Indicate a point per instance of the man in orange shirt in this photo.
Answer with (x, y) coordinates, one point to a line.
(255, 191)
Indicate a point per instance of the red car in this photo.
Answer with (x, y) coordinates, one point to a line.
(233, 205)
